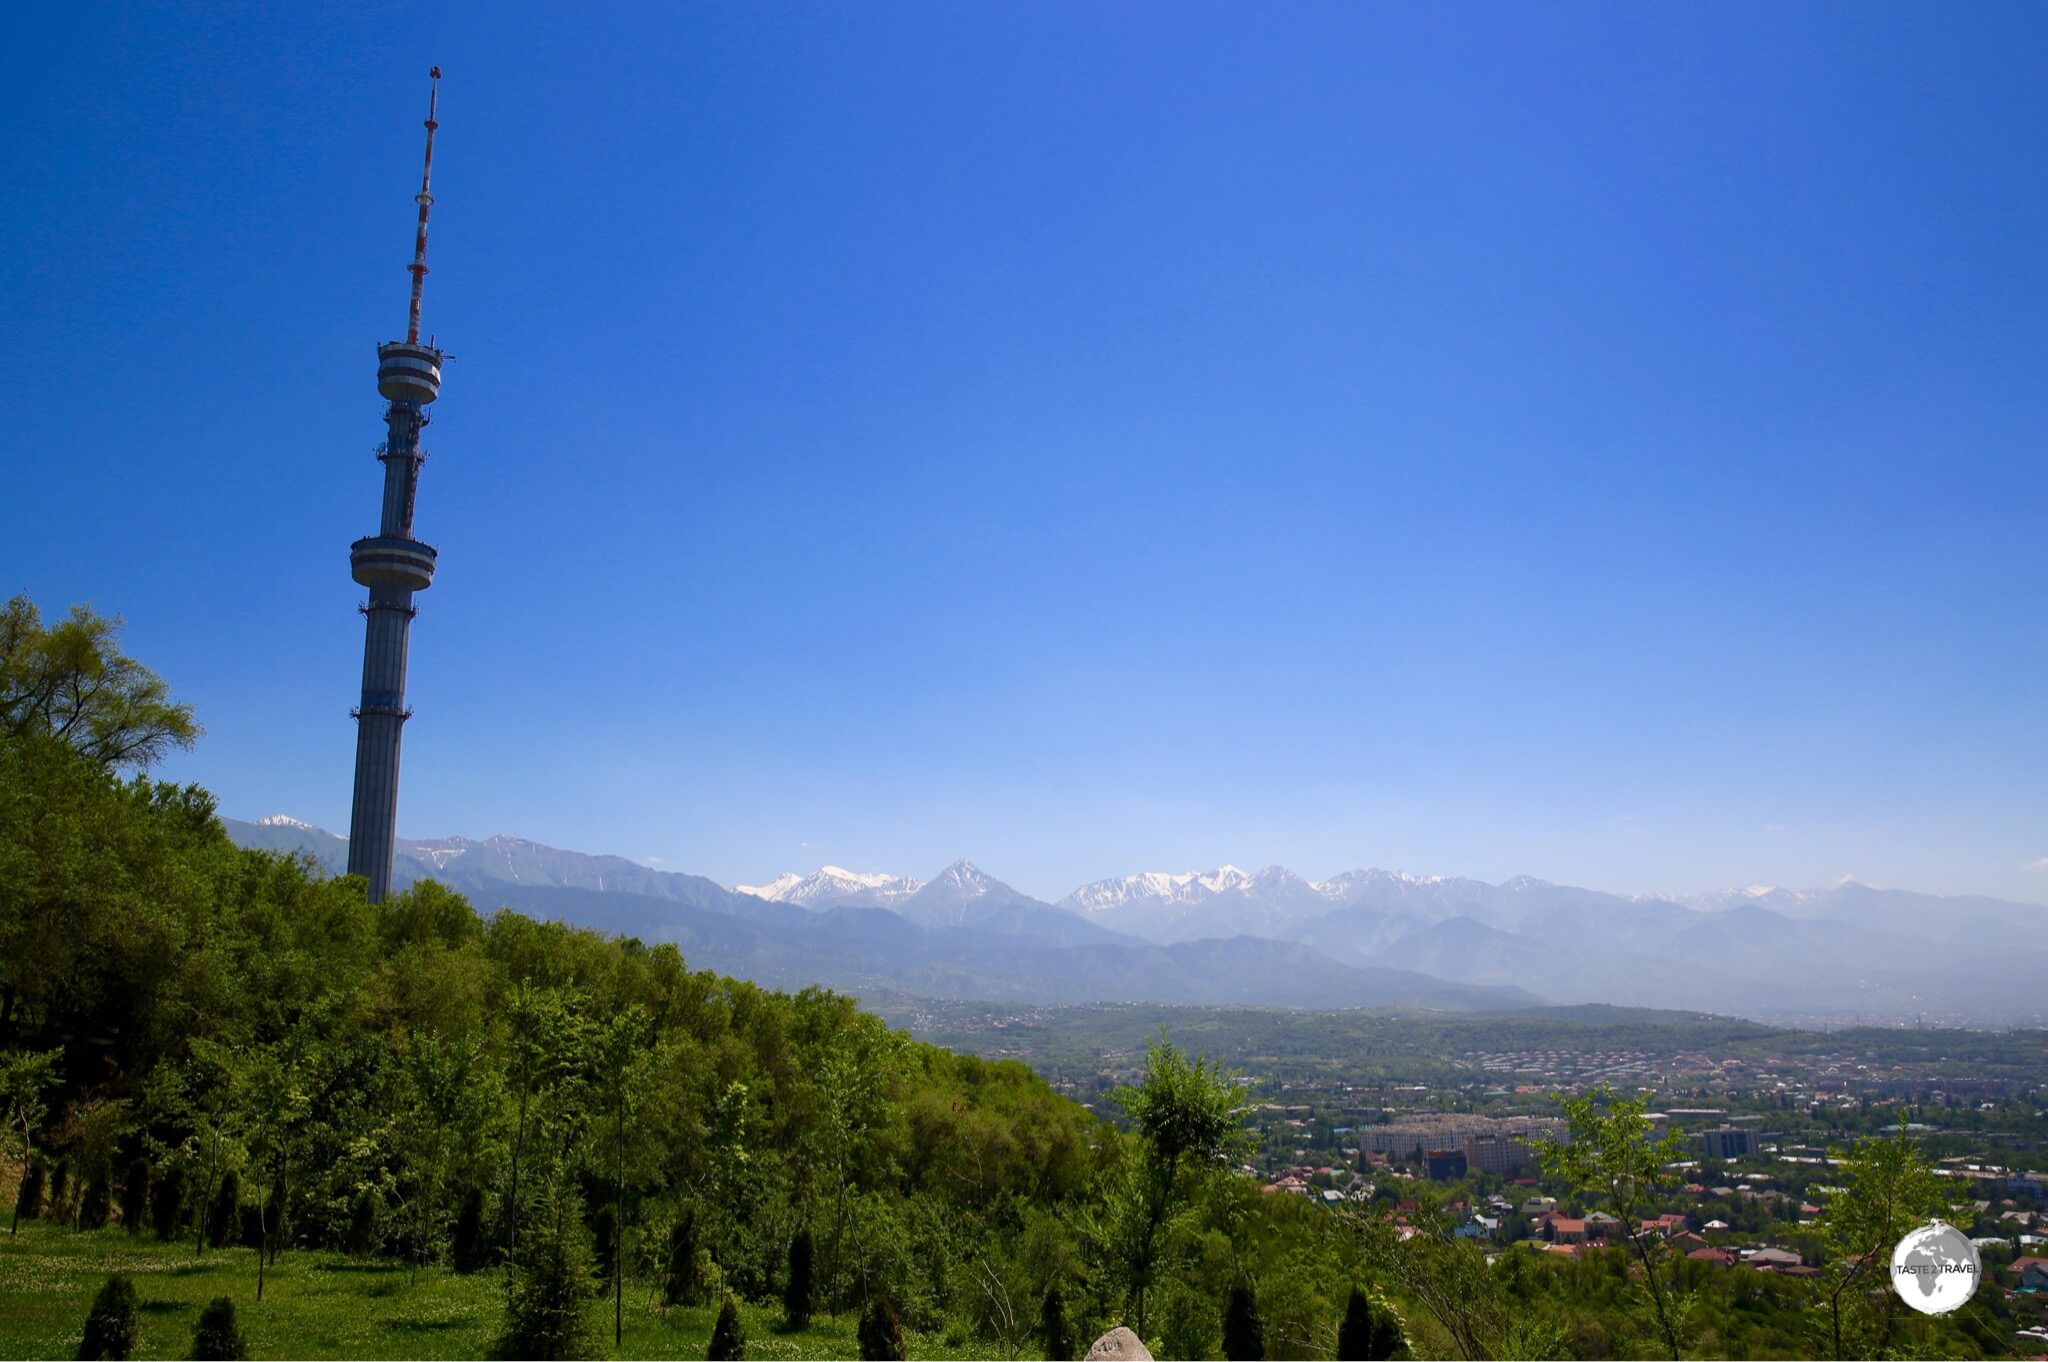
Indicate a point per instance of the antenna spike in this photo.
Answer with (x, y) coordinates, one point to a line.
(425, 199)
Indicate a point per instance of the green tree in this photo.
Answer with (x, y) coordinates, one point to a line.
(1055, 1335)
(28, 1197)
(224, 1212)
(880, 1333)
(728, 1335)
(621, 1052)
(467, 1250)
(1450, 1282)
(1610, 1156)
(1189, 1117)
(71, 680)
(1888, 1190)
(1371, 1331)
(167, 1202)
(679, 1278)
(110, 1327)
(275, 1106)
(24, 1079)
(547, 1286)
(798, 1292)
(135, 1197)
(218, 1338)
(1244, 1333)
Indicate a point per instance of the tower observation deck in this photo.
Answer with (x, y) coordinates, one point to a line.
(393, 565)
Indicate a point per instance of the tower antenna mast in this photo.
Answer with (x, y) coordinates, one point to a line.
(418, 268)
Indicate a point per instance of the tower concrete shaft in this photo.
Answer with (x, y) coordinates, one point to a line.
(393, 565)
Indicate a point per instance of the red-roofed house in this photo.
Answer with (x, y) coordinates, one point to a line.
(1565, 1230)
(1718, 1257)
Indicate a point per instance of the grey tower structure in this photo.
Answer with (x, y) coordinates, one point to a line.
(393, 565)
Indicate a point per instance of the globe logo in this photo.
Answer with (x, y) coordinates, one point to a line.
(1935, 1268)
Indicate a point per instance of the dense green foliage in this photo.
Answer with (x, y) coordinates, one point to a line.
(728, 1336)
(218, 1338)
(1370, 1332)
(110, 1328)
(798, 1291)
(70, 681)
(881, 1333)
(1612, 1160)
(1244, 1333)
(270, 1056)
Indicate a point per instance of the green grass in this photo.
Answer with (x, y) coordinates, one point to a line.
(320, 1304)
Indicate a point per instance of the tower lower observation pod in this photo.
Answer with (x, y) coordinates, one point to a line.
(393, 565)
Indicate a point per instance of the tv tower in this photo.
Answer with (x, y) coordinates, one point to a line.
(393, 565)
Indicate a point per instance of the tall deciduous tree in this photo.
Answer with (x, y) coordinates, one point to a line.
(72, 680)
(1189, 1116)
(1611, 1156)
(1888, 1189)
(25, 1078)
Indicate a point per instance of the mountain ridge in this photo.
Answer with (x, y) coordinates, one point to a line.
(1843, 950)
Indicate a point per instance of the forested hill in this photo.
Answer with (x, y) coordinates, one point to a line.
(229, 1028)
(237, 1010)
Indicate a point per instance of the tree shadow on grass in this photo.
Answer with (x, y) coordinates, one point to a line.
(165, 1307)
(420, 1326)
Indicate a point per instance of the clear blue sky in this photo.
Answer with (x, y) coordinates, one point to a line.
(1603, 442)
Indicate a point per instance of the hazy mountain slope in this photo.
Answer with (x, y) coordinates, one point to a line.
(468, 864)
(875, 949)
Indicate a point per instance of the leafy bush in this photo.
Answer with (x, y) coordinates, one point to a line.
(167, 1203)
(546, 1290)
(728, 1336)
(1244, 1333)
(362, 1224)
(95, 1203)
(1371, 1331)
(680, 1281)
(135, 1197)
(881, 1333)
(798, 1291)
(28, 1198)
(218, 1339)
(469, 1250)
(110, 1327)
(224, 1215)
(1055, 1335)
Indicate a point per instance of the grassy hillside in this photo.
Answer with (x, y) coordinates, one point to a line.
(322, 1304)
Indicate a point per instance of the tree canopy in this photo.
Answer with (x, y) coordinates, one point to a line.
(72, 680)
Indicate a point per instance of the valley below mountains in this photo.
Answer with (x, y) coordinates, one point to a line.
(1368, 938)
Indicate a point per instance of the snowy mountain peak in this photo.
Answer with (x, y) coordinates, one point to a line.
(776, 889)
(283, 820)
(1161, 888)
(833, 885)
(965, 876)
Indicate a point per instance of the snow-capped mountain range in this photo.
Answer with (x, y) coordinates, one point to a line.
(1364, 937)
(831, 884)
